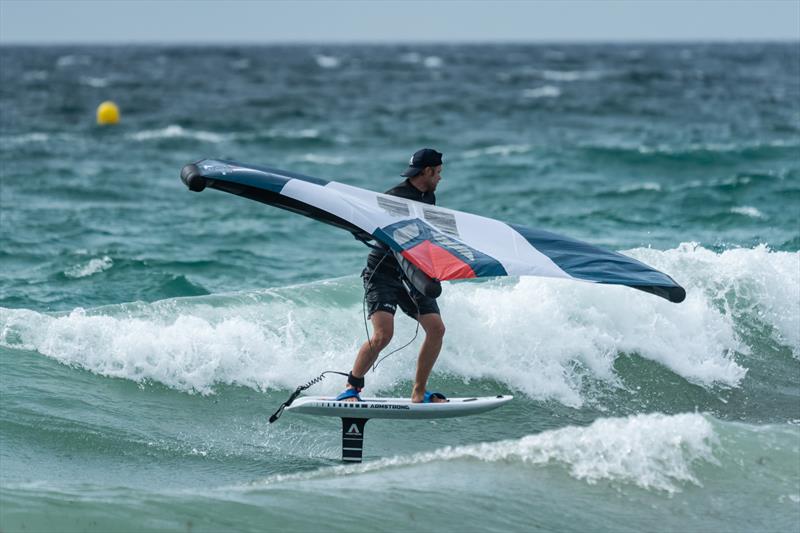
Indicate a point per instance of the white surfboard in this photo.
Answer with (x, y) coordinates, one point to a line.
(400, 408)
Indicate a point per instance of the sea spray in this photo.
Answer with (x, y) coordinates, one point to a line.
(650, 451)
(528, 333)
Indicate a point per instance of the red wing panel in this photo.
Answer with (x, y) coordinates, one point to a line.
(437, 262)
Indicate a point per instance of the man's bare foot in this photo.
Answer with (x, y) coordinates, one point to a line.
(420, 398)
(352, 398)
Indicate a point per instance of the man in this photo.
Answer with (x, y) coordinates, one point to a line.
(383, 283)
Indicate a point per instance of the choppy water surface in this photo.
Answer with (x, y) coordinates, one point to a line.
(146, 332)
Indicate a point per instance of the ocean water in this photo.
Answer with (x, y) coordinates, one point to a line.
(147, 332)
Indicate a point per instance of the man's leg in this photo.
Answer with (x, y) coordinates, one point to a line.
(382, 331)
(431, 346)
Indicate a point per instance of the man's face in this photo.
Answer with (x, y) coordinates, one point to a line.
(431, 176)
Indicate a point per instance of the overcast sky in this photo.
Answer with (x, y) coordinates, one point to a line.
(237, 21)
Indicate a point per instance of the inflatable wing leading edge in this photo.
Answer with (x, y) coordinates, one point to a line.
(443, 243)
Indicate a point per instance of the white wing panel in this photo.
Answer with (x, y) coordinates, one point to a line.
(504, 243)
(491, 237)
(359, 210)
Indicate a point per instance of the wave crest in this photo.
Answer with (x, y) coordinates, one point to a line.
(651, 451)
(539, 336)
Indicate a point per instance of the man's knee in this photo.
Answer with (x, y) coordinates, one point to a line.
(382, 329)
(434, 327)
(381, 339)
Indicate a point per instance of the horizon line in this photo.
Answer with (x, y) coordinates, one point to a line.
(578, 41)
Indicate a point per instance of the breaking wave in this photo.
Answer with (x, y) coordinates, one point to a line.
(650, 451)
(538, 336)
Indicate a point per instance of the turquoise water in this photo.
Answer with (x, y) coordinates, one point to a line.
(146, 332)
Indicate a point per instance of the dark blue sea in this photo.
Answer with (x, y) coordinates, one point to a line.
(147, 332)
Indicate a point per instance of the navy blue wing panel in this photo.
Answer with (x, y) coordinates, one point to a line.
(264, 185)
(584, 261)
(253, 175)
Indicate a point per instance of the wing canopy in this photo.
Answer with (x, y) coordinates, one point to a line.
(443, 243)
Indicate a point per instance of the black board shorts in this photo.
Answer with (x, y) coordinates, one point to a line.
(384, 292)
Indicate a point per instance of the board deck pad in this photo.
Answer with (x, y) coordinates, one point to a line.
(397, 408)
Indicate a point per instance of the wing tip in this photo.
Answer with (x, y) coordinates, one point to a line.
(677, 294)
(192, 177)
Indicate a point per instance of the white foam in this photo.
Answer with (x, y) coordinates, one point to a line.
(542, 337)
(25, 138)
(571, 75)
(71, 60)
(645, 186)
(546, 91)
(503, 150)
(433, 62)
(742, 282)
(747, 211)
(718, 147)
(187, 344)
(92, 267)
(550, 330)
(320, 159)
(651, 451)
(305, 133)
(690, 148)
(98, 83)
(276, 133)
(327, 61)
(174, 131)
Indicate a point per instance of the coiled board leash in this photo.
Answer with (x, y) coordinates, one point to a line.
(277, 414)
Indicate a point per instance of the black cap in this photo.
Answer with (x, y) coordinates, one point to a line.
(427, 157)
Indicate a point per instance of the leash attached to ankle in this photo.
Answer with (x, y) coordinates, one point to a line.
(356, 382)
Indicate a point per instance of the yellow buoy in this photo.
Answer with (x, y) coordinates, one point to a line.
(107, 113)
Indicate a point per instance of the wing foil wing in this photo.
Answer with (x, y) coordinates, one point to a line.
(444, 243)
